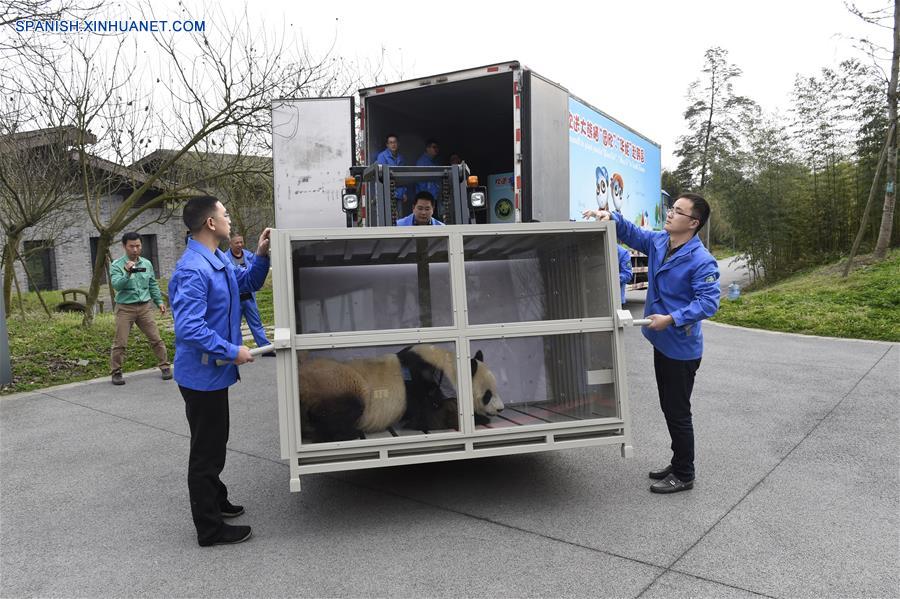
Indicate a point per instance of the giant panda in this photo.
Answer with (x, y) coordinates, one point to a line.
(343, 400)
(484, 383)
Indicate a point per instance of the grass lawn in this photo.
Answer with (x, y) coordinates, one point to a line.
(865, 305)
(57, 350)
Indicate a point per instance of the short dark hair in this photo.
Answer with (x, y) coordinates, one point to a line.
(430, 142)
(130, 236)
(390, 135)
(699, 207)
(424, 195)
(197, 210)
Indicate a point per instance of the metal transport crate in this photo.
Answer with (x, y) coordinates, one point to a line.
(534, 305)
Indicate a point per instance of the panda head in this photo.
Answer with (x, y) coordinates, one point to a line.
(484, 388)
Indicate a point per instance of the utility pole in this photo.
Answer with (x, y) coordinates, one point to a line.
(5, 368)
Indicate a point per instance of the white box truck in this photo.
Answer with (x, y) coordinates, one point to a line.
(559, 153)
(536, 305)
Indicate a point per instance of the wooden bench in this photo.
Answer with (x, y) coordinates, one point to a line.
(74, 305)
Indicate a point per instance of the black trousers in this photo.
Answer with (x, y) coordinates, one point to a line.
(675, 382)
(207, 415)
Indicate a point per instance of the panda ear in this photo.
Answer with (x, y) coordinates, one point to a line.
(474, 366)
(479, 356)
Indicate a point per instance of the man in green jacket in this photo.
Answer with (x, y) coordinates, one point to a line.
(135, 284)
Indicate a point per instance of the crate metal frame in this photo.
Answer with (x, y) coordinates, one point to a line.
(308, 458)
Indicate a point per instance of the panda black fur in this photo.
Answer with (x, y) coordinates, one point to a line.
(484, 384)
(344, 400)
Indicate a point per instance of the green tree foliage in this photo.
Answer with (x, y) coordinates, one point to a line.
(788, 190)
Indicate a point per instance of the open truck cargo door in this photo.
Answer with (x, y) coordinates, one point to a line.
(313, 146)
(546, 147)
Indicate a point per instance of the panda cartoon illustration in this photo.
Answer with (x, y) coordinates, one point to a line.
(617, 190)
(344, 400)
(602, 176)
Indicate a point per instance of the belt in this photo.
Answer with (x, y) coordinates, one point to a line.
(246, 296)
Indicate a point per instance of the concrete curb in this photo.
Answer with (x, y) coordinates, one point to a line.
(127, 375)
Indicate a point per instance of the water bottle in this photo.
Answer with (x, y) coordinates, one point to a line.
(734, 291)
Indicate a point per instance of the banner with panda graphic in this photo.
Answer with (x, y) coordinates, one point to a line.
(612, 168)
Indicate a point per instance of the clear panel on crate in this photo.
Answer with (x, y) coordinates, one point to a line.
(371, 284)
(544, 379)
(377, 392)
(536, 276)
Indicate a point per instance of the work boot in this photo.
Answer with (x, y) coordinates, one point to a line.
(661, 474)
(230, 535)
(671, 484)
(117, 378)
(231, 511)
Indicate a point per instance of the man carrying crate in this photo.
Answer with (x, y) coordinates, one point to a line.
(683, 290)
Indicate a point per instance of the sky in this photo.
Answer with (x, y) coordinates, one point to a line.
(633, 60)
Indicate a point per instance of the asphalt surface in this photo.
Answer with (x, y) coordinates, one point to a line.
(797, 489)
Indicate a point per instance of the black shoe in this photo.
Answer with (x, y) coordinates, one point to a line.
(230, 535)
(661, 474)
(117, 378)
(231, 511)
(269, 354)
(671, 484)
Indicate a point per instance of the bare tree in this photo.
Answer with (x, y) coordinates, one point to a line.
(206, 95)
(37, 184)
(890, 192)
(887, 19)
(14, 38)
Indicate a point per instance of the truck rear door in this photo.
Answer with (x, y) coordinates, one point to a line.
(546, 150)
(313, 148)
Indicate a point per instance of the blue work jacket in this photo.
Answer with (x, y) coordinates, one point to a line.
(686, 287)
(625, 273)
(410, 220)
(205, 296)
(385, 157)
(432, 186)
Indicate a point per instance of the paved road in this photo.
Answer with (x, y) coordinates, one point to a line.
(796, 496)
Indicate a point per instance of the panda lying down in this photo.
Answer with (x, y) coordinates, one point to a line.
(416, 386)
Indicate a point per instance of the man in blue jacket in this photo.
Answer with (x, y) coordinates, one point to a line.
(390, 155)
(625, 273)
(432, 186)
(422, 212)
(683, 290)
(243, 260)
(205, 296)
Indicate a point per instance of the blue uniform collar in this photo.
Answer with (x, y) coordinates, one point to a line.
(216, 260)
(662, 245)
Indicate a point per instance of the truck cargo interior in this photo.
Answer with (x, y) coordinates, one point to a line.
(473, 118)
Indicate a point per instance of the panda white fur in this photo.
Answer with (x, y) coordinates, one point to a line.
(343, 400)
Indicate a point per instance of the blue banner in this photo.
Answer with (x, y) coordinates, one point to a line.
(612, 168)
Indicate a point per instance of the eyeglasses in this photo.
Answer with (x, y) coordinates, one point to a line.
(671, 211)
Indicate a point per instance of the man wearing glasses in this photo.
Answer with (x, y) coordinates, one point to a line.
(683, 290)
